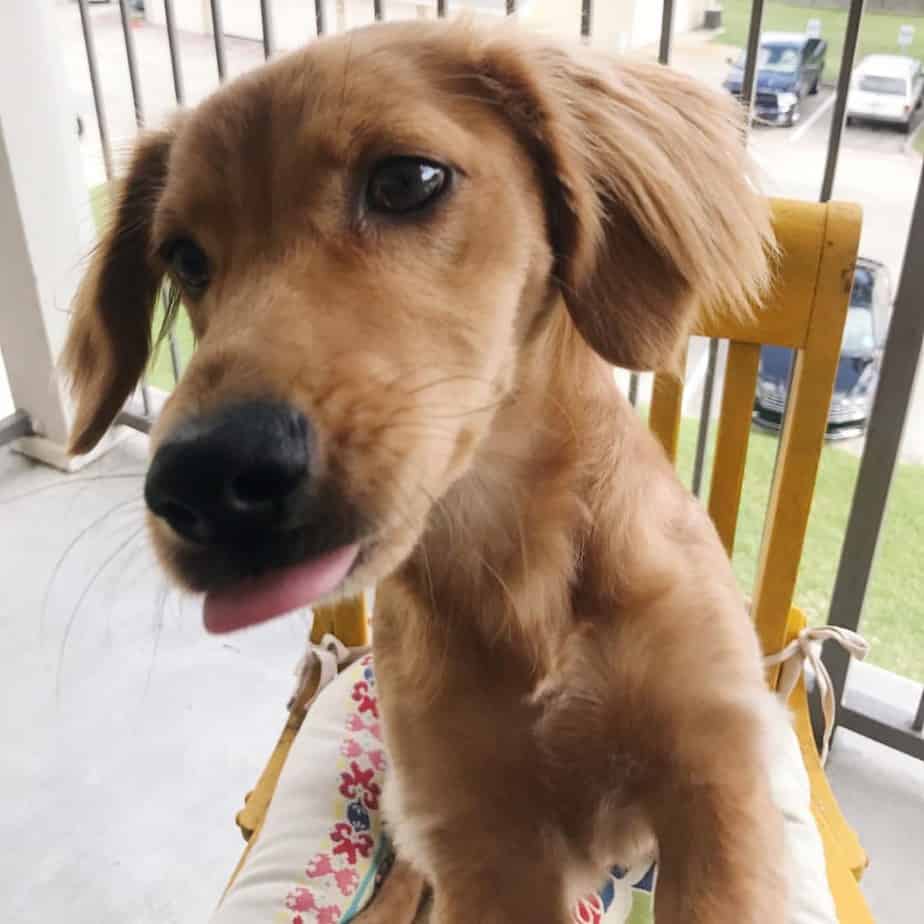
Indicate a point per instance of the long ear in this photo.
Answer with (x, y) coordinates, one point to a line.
(651, 208)
(110, 336)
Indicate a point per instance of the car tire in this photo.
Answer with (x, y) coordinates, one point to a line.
(850, 121)
(814, 90)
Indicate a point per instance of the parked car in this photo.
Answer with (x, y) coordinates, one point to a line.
(858, 370)
(886, 88)
(789, 67)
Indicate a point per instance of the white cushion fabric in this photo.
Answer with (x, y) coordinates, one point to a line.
(322, 847)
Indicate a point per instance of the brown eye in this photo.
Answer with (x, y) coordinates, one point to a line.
(188, 263)
(401, 185)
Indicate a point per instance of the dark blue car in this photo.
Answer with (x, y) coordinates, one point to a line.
(858, 370)
(789, 67)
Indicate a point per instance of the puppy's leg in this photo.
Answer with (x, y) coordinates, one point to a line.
(398, 899)
(720, 843)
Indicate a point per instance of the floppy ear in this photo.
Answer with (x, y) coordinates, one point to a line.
(651, 209)
(110, 336)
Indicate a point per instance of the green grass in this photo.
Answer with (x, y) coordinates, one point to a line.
(160, 369)
(878, 32)
(893, 615)
(917, 142)
(893, 618)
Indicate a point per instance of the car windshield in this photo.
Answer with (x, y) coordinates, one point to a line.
(861, 295)
(858, 333)
(892, 86)
(782, 59)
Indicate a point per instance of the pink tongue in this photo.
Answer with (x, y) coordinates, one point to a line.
(258, 599)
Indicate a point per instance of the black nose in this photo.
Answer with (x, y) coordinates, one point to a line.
(232, 473)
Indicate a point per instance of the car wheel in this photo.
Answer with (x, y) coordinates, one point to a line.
(814, 90)
(851, 121)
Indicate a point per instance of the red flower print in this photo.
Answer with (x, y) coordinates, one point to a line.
(356, 779)
(377, 759)
(367, 702)
(348, 845)
(298, 919)
(329, 914)
(351, 748)
(300, 900)
(319, 866)
(588, 911)
(347, 880)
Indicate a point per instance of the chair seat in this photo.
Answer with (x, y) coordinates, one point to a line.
(320, 848)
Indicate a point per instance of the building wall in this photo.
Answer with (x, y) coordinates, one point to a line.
(617, 24)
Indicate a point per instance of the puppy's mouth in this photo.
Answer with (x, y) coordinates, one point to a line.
(257, 599)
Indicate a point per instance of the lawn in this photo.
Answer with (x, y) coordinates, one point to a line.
(160, 371)
(878, 31)
(918, 141)
(893, 617)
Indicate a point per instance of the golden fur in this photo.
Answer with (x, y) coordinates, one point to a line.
(566, 669)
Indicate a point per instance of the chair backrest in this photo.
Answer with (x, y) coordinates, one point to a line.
(806, 311)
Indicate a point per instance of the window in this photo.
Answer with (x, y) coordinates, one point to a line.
(862, 293)
(892, 86)
(783, 59)
(858, 333)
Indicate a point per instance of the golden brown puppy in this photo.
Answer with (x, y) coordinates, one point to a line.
(409, 255)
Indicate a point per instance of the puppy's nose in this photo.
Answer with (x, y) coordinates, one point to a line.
(233, 473)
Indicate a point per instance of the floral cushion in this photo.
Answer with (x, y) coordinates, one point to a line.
(322, 850)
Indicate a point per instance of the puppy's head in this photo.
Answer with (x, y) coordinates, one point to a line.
(365, 235)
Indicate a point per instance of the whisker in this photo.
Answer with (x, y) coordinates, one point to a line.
(159, 612)
(68, 549)
(83, 596)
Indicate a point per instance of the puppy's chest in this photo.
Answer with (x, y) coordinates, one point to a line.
(482, 733)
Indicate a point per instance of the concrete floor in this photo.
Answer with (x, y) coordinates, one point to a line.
(130, 736)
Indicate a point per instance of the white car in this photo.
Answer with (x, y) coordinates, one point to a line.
(886, 88)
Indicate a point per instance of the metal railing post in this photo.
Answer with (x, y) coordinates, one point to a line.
(749, 77)
(174, 45)
(705, 416)
(266, 24)
(667, 32)
(877, 466)
(98, 105)
(587, 18)
(132, 59)
(218, 34)
(854, 18)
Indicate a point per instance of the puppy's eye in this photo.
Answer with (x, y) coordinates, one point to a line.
(401, 185)
(188, 262)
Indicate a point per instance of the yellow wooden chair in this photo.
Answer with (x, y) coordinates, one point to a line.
(806, 312)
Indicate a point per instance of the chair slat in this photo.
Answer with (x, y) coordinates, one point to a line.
(732, 439)
(664, 416)
(804, 427)
(784, 318)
